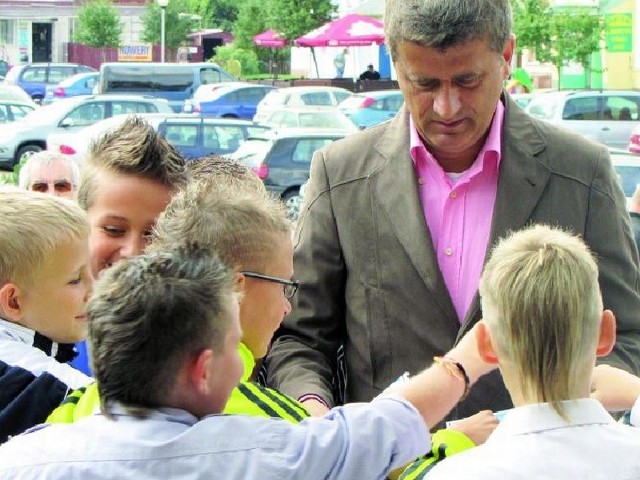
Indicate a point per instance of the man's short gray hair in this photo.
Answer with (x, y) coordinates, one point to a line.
(445, 23)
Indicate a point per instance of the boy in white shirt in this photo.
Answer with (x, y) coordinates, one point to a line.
(544, 325)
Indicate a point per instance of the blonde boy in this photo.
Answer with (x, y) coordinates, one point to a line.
(44, 287)
(544, 325)
(128, 178)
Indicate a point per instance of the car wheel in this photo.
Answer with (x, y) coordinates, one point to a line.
(293, 202)
(37, 99)
(27, 149)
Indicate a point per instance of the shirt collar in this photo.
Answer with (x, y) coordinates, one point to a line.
(62, 352)
(540, 417)
(492, 148)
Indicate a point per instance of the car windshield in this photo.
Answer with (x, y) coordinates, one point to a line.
(544, 106)
(52, 112)
(252, 152)
(325, 120)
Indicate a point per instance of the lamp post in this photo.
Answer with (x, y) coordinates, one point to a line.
(163, 4)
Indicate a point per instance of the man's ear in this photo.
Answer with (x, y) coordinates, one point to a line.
(607, 338)
(10, 301)
(485, 344)
(240, 284)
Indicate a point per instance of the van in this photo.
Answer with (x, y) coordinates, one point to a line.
(174, 82)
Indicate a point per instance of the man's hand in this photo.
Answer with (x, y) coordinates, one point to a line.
(616, 389)
(315, 408)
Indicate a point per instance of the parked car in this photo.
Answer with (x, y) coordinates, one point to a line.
(13, 110)
(634, 140)
(606, 116)
(523, 99)
(237, 100)
(370, 108)
(627, 166)
(193, 136)
(79, 84)
(13, 92)
(68, 115)
(33, 78)
(175, 82)
(299, 97)
(282, 158)
(311, 117)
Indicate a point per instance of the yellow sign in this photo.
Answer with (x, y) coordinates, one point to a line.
(135, 53)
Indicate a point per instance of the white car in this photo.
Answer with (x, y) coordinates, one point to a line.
(627, 166)
(299, 97)
(317, 118)
(606, 116)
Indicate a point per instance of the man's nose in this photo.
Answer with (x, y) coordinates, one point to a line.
(446, 103)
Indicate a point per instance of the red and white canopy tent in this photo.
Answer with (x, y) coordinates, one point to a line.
(348, 31)
(270, 38)
(352, 30)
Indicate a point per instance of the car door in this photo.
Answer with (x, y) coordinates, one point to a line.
(620, 116)
(582, 114)
(248, 99)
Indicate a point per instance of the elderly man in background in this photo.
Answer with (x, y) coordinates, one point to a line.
(52, 173)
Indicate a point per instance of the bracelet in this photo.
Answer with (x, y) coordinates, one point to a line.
(455, 369)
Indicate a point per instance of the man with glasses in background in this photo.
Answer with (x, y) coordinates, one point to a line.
(52, 173)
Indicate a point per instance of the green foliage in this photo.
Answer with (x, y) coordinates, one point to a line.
(557, 35)
(11, 178)
(254, 17)
(99, 24)
(176, 29)
(220, 14)
(248, 59)
(294, 18)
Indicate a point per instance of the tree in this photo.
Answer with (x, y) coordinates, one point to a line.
(176, 29)
(557, 35)
(574, 35)
(294, 18)
(220, 14)
(99, 25)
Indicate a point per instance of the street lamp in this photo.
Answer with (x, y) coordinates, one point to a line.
(163, 4)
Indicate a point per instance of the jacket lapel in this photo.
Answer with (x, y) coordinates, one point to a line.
(404, 209)
(522, 180)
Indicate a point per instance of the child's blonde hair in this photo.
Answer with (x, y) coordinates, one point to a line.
(542, 303)
(33, 227)
(134, 148)
(240, 225)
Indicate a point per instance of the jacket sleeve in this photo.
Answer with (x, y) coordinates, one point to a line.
(608, 233)
(302, 359)
(445, 443)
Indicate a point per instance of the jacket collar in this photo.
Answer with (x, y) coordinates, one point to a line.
(62, 352)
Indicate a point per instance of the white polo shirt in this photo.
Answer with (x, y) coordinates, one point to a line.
(533, 442)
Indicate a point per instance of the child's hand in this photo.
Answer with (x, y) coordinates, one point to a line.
(477, 427)
(615, 388)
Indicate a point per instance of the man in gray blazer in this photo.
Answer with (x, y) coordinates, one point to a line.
(398, 219)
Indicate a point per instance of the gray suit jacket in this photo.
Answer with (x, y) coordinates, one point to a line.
(369, 275)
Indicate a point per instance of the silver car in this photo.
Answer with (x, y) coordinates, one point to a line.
(606, 116)
(68, 115)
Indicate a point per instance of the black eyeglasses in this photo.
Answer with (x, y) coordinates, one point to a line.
(290, 286)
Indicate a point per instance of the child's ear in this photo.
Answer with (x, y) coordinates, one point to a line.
(607, 338)
(10, 301)
(200, 369)
(485, 344)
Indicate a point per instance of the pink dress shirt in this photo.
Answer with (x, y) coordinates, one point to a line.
(458, 209)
